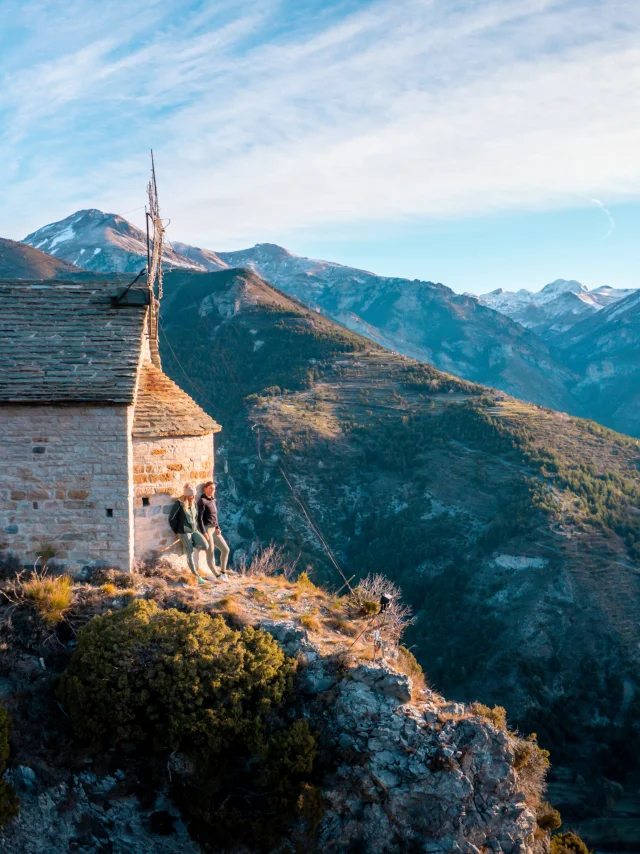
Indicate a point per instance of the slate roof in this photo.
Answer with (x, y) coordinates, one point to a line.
(63, 342)
(164, 409)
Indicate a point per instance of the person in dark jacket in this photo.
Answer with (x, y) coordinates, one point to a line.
(209, 527)
(183, 519)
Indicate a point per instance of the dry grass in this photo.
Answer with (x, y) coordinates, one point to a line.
(497, 715)
(52, 596)
(531, 763)
(342, 626)
(310, 622)
(305, 584)
(108, 589)
(268, 562)
(229, 605)
(408, 664)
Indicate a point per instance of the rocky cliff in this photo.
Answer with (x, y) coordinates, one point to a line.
(402, 769)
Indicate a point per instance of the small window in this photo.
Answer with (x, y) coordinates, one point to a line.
(145, 501)
(109, 512)
(35, 505)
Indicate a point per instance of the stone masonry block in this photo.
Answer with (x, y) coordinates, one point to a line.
(79, 494)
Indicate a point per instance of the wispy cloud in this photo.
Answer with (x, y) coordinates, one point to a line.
(609, 216)
(267, 116)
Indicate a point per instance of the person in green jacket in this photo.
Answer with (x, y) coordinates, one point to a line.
(184, 521)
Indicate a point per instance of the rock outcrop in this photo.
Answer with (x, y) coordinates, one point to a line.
(412, 772)
(406, 772)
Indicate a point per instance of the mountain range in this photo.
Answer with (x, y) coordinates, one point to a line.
(425, 320)
(565, 347)
(556, 308)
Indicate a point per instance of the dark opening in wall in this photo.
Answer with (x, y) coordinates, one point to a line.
(35, 505)
(145, 501)
(39, 449)
(109, 512)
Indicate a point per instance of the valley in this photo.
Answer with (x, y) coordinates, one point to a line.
(511, 529)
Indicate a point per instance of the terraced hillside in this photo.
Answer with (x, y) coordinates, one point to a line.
(513, 530)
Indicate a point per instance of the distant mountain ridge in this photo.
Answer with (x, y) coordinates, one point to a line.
(424, 320)
(518, 342)
(556, 308)
(604, 349)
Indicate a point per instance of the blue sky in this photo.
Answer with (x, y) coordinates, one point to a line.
(481, 143)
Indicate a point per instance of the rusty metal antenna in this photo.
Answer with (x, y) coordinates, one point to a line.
(155, 248)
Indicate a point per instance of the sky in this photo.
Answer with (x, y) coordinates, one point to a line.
(480, 143)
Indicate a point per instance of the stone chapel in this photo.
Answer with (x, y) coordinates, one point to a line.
(95, 440)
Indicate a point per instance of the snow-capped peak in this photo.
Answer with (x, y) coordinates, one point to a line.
(103, 242)
(562, 286)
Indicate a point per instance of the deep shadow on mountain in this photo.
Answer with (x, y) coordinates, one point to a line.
(605, 350)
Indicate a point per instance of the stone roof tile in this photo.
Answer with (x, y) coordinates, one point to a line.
(63, 342)
(164, 409)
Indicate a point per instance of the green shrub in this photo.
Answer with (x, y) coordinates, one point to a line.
(143, 675)
(257, 803)
(548, 818)
(497, 715)
(9, 804)
(291, 753)
(568, 843)
(532, 763)
(408, 663)
(305, 583)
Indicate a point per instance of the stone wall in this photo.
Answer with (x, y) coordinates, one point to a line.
(65, 483)
(161, 467)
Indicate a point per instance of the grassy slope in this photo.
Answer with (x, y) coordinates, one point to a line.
(19, 261)
(427, 478)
